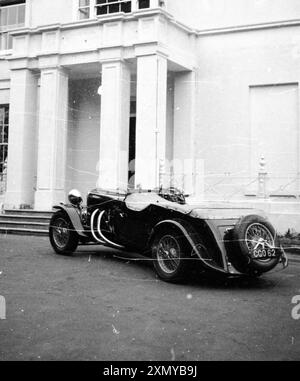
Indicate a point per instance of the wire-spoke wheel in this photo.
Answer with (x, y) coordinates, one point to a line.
(61, 232)
(171, 257)
(168, 254)
(260, 241)
(63, 238)
(255, 249)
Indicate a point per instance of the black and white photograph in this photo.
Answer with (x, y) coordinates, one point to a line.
(149, 183)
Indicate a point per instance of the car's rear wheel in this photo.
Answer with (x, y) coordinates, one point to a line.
(171, 256)
(63, 238)
(255, 248)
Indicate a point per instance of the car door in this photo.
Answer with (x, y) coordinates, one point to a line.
(133, 227)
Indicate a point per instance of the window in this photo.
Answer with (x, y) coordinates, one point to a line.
(12, 16)
(90, 8)
(84, 9)
(3, 146)
(112, 6)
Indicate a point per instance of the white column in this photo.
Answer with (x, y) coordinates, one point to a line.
(114, 133)
(28, 11)
(154, 3)
(75, 10)
(151, 119)
(21, 166)
(92, 8)
(184, 126)
(52, 139)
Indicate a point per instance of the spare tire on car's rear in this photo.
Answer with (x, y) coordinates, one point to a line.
(253, 246)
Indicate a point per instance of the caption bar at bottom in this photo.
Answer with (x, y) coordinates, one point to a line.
(151, 371)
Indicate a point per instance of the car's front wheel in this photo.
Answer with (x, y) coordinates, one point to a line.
(63, 238)
(171, 255)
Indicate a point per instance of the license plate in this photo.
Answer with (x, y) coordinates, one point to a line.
(264, 254)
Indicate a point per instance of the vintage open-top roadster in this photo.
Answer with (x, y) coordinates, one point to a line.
(161, 225)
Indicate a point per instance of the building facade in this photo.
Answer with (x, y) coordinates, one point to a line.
(202, 95)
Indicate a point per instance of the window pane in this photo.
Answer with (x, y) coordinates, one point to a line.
(3, 18)
(21, 15)
(114, 8)
(84, 13)
(84, 3)
(144, 4)
(102, 10)
(5, 135)
(126, 7)
(5, 150)
(6, 116)
(12, 15)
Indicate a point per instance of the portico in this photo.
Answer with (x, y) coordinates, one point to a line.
(122, 79)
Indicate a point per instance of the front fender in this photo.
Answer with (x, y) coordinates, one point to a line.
(74, 216)
(192, 238)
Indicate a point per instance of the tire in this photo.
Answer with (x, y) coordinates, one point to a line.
(170, 269)
(63, 238)
(242, 247)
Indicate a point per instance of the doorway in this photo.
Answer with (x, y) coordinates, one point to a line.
(132, 152)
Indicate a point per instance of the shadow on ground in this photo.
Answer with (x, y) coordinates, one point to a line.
(196, 278)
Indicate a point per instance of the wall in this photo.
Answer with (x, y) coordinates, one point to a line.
(83, 135)
(274, 132)
(206, 14)
(4, 70)
(4, 92)
(43, 12)
(229, 66)
(199, 14)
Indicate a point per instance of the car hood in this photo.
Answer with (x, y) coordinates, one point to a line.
(209, 211)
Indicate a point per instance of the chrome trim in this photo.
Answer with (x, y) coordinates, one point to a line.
(92, 227)
(107, 241)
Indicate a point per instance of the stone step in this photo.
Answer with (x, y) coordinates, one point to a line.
(21, 231)
(23, 218)
(28, 212)
(24, 224)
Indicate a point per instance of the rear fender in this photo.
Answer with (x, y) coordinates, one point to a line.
(74, 216)
(191, 236)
